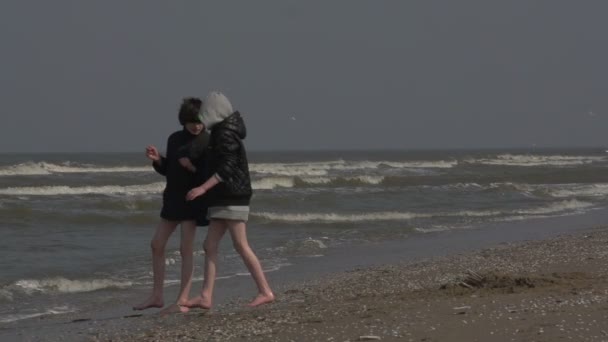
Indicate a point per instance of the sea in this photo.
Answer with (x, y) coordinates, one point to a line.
(75, 229)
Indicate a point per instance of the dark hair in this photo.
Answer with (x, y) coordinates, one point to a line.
(189, 110)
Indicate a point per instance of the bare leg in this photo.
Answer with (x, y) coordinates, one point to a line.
(239, 239)
(216, 231)
(188, 233)
(159, 241)
(187, 254)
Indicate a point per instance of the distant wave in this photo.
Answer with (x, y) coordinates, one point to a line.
(579, 190)
(323, 168)
(44, 168)
(463, 183)
(432, 229)
(316, 169)
(85, 190)
(568, 205)
(270, 183)
(363, 217)
(537, 160)
(553, 190)
(328, 218)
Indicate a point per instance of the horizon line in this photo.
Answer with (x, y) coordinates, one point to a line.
(403, 149)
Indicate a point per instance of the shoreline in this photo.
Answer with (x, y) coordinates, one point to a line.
(543, 290)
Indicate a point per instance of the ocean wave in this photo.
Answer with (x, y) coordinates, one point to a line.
(52, 311)
(323, 168)
(44, 168)
(270, 183)
(85, 190)
(537, 190)
(537, 160)
(432, 229)
(371, 216)
(6, 295)
(273, 183)
(64, 285)
(552, 190)
(307, 246)
(579, 190)
(568, 205)
(328, 218)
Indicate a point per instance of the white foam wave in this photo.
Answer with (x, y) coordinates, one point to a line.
(537, 160)
(6, 295)
(53, 311)
(540, 190)
(432, 229)
(580, 190)
(85, 190)
(333, 217)
(44, 168)
(374, 180)
(569, 205)
(64, 285)
(317, 180)
(272, 183)
(302, 247)
(314, 243)
(177, 281)
(323, 168)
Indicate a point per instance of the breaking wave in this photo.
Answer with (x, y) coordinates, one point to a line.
(323, 168)
(44, 168)
(537, 160)
(328, 218)
(85, 190)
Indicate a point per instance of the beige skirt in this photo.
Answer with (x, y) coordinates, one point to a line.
(229, 212)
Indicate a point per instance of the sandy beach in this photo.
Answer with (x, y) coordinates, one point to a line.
(549, 290)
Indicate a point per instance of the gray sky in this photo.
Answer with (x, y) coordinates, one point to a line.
(109, 75)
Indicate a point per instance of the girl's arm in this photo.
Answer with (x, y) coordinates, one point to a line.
(202, 189)
(158, 161)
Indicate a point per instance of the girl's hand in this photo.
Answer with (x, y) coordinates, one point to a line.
(152, 153)
(194, 193)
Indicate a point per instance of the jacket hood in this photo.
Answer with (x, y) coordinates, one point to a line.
(234, 123)
(215, 109)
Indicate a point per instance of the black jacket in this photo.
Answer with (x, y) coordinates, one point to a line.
(227, 157)
(180, 180)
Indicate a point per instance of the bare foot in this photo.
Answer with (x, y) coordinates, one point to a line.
(199, 302)
(150, 303)
(262, 299)
(174, 308)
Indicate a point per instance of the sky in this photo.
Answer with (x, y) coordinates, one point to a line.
(101, 76)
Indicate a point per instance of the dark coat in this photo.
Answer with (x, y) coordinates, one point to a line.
(181, 180)
(227, 157)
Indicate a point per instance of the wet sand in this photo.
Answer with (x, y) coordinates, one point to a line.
(546, 290)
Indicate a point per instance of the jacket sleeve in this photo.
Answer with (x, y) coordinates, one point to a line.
(161, 167)
(228, 146)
